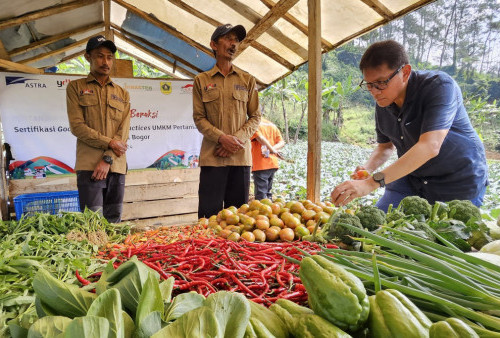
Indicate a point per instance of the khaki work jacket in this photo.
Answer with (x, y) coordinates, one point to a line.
(225, 105)
(97, 114)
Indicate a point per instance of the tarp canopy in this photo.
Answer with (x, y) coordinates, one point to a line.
(174, 35)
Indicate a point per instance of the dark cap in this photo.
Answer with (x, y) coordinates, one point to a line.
(98, 41)
(224, 29)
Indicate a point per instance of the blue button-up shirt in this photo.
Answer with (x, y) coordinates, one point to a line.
(434, 102)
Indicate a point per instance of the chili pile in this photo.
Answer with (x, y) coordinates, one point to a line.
(208, 265)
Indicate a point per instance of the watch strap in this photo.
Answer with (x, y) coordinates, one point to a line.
(379, 178)
(108, 159)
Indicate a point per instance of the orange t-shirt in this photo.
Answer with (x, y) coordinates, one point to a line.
(273, 135)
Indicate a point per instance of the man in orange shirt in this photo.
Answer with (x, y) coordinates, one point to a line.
(266, 143)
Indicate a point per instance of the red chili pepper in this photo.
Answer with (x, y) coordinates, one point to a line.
(243, 286)
(197, 283)
(82, 280)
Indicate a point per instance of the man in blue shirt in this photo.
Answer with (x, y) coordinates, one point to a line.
(421, 115)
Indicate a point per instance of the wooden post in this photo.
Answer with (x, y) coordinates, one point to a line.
(314, 105)
(107, 18)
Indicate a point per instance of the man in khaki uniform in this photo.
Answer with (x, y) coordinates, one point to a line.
(226, 112)
(98, 113)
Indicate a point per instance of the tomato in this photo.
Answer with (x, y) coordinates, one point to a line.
(302, 231)
(287, 234)
(360, 175)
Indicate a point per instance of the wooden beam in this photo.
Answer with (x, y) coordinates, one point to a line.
(380, 8)
(401, 13)
(258, 46)
(145, 62)
(156, 47)
(57, 51)
(159, 208)
(17, 67)
(266, 23)
(45, 12)
(273, 16)
(3, 52)
(148, 52)
(70, 57)
(107, 18)
(298, 24)
(153, 223)
(314, 98)
(164, 26)
(54, 38)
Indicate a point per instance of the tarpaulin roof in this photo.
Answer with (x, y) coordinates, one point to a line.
(174, 35)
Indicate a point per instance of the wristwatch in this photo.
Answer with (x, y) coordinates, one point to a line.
(108, 159)
(379, 178)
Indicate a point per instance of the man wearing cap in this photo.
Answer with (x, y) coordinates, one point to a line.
(98, 113)
(226, 111)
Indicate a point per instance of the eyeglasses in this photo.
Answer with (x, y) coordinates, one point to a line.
(380, 85)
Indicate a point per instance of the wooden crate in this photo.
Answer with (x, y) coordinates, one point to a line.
(152, 197)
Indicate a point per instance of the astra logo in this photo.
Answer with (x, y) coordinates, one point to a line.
(62, 83)
(11, 80)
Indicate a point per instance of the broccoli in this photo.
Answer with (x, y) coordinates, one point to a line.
(463, 210)
(417, 228)
(370, 217)
(315, 238)
(334, 228)
(394, 216)
(440, 210)
(416, 206)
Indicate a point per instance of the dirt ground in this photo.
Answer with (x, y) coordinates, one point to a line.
(491, 155)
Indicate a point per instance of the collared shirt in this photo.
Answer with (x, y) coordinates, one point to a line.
(434, 102)
(225, 105)
(97, 114)
(268, 130)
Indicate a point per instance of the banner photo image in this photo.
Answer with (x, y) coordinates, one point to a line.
(36, 129)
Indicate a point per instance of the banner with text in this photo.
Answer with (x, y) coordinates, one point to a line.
(35, 124)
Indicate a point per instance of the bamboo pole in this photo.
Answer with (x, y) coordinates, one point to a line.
(314, 106)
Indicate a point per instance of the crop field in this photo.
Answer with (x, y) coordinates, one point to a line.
(338, 160)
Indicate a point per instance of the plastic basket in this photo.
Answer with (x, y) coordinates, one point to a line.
(47, 202)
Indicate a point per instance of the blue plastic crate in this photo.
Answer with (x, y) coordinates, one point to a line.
(47, 202)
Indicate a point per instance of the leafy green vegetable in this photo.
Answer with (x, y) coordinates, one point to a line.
(232, 311)
(183, 303)
(52, 326)
(166, 288)
(129, 279)
(88, 326)
(150, 299)
(200, 322)
(151, 324)
(453, 231)
(109, 305)
(65, 299)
